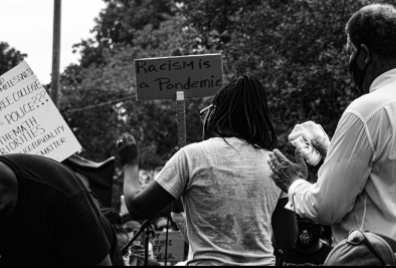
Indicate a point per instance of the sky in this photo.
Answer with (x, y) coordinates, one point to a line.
(27, 25)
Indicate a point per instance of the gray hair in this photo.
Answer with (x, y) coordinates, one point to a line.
(375, 26)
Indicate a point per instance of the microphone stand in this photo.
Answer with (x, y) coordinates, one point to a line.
(145, 227)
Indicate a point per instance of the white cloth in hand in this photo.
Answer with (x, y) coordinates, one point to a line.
(311, 131)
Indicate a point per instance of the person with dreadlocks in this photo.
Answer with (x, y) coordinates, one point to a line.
(234, 211)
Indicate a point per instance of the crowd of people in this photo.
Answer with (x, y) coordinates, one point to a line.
(237, 200)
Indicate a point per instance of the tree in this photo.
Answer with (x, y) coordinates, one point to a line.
(296, 48)
(9, 57)
(153, 122)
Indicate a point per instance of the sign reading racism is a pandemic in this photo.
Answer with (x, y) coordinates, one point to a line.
(162, 78)
(30, 123)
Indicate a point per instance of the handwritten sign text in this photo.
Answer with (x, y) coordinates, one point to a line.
(161, 78)
(29, 121)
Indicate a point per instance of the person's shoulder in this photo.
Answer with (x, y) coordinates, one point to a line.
(368, 105)
(196, 147)
(8, 177)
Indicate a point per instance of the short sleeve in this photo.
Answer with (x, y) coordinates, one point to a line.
(79, 235)
(174, 176)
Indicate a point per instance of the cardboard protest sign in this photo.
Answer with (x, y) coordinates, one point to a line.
(30, 123)
(176, 247)
(161, 78)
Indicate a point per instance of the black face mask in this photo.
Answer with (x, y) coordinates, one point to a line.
(356, 73)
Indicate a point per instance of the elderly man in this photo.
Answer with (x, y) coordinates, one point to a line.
(357, 182)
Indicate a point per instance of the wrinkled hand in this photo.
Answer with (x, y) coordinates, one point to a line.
(320, 147)
(285, 172)
(127, 150)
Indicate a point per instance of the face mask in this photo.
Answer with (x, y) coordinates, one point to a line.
(356, 73)
(309, 236)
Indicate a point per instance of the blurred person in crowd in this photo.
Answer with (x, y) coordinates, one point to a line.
(132, 227)
(310, 250)
(233, 209)
(363, 249)
(116, 222)
(60, 221)
(357, 186)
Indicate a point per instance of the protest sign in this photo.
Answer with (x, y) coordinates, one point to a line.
(196, 76)
(176, 247)
(30, 123)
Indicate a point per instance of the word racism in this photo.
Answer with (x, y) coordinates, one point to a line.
(143, 67)
(4, 85)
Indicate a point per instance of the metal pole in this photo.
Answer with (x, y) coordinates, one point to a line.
(55, 83)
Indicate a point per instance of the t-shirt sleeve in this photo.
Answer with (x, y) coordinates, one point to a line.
(174, 176)
(79, 235)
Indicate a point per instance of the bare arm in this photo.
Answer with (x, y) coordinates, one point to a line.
(284, 225)
(132, 185)
(142, 205)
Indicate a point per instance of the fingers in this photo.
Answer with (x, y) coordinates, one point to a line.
(280, 157)
(128, 138)
(320, 147)
(299, 156)
(274, 163)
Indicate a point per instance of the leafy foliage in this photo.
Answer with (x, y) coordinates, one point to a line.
(9, 57)
(153, 122)
(295, 47)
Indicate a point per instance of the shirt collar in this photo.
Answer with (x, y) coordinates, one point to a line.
(383, 80)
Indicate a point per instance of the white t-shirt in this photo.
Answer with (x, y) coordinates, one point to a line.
(229, 199)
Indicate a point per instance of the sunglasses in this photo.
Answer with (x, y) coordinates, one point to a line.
(204, 112)
(358, 238)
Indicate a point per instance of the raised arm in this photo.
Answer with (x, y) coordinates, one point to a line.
(142, 205)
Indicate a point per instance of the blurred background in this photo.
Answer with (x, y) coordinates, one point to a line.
(295, 47)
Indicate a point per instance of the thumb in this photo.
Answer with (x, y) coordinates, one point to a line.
(299, 157)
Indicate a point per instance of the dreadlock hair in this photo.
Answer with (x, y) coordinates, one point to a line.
(241, 107)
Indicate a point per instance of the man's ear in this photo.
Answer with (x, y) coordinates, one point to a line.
(367, 54)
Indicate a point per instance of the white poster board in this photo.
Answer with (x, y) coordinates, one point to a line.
(30, 123)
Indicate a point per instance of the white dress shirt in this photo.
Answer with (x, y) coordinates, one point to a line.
(356, 189)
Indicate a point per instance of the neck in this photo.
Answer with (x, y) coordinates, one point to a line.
(378, 69)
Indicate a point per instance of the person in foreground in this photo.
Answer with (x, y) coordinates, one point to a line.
(47, 216)
(356, 189)
(231, 203)
(363, 249)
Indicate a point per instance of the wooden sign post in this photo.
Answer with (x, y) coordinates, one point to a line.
(181, 119)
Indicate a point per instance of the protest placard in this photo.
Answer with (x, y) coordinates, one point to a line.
(196, 76)
(30, 123)
(176, 247)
